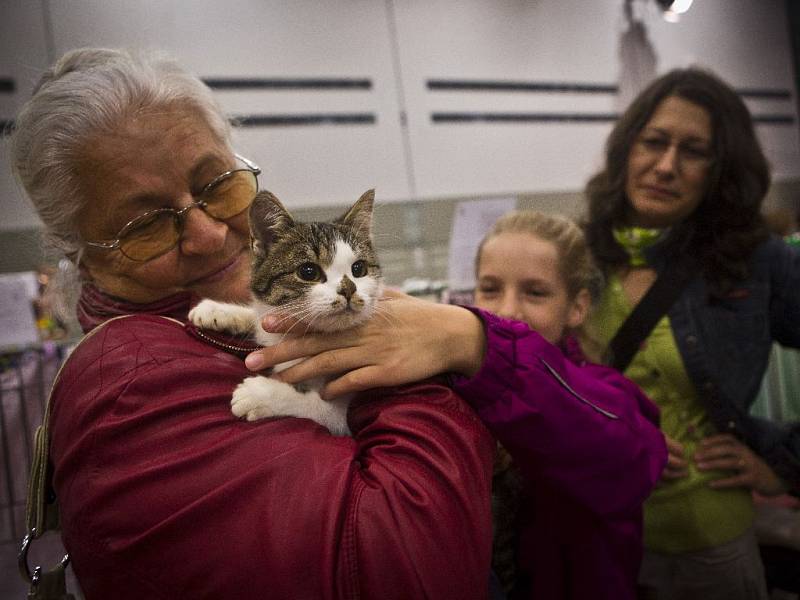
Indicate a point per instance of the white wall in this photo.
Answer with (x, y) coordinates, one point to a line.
(23, 55)
(745, 41)
(399, 45)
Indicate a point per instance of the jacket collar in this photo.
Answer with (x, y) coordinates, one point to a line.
(96, 306)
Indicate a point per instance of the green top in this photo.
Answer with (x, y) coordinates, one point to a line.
(685, 514)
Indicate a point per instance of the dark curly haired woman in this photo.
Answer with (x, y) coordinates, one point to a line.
(683, 183)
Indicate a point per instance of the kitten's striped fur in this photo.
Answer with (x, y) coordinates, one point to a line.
(325, 274)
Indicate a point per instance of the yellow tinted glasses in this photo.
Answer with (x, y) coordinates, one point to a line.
(156, 232)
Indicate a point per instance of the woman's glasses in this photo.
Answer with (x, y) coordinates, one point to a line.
(691, 154)
(156, 232)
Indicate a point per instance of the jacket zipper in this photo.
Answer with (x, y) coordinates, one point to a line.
(560, 379)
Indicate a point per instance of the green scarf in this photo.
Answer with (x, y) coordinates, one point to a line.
(635, 240)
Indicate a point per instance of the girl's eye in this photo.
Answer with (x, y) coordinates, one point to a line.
(535, 293)
(309, 272)
(359, 268)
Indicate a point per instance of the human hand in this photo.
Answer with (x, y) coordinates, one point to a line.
(406, 340)
(723, 451)
(677, 466)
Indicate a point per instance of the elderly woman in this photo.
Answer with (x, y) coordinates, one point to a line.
(162, 492)
(682, 187)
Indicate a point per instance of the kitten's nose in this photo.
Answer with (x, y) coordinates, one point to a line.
(346, 288)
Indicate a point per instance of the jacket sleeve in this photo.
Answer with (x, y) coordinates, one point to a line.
(421, 521)
(584, 431)
(784, 310)
(164, 494)
(779, 443)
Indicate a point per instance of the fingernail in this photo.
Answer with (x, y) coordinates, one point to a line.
(254, 362)
(269, 322)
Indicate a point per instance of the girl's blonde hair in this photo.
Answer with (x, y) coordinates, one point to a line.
(575, 264)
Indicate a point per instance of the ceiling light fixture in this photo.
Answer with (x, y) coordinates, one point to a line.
(673, 9)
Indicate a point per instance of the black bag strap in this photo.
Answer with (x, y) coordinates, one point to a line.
(669, 284)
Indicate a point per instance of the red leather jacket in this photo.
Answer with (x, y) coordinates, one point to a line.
(164, 494)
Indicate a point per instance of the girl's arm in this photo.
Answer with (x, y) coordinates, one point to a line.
(588, 431)
(585, 431)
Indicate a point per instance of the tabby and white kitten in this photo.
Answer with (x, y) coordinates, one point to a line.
(326, 274)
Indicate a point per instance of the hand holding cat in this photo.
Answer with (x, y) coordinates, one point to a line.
(723, 451)
(407, 340)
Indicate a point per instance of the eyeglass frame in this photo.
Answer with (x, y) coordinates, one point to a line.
(686, 155)
(179, 214)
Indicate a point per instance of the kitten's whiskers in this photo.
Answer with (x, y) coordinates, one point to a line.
(382, 313)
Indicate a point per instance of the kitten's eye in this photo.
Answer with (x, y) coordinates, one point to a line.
(308, 272)
(359, 268)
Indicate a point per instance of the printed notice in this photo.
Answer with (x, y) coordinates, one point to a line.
(17, 320)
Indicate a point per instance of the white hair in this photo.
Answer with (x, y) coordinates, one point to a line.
(90, 91)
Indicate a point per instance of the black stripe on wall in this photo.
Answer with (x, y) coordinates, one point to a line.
(7, 85)
(6, 126)
(765, 94)
(464, 85)
(250, 83)
(773, 119)
(485, 117)
(519, 86)
(303, 120)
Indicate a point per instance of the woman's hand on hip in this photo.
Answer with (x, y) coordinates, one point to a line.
(406, 340)
(725, 452)
(677, 466)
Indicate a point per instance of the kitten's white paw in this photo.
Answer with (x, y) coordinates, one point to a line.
(262, 397)
(218, 316)
(253, 399)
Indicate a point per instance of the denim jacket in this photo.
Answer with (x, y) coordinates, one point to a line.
(725, 345)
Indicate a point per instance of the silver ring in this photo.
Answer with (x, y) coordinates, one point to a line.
(22, 560)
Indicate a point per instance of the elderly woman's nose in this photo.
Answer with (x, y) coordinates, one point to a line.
(202, 233)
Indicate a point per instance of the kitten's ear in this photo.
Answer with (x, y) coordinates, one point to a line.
(359, 217)
(268, 218)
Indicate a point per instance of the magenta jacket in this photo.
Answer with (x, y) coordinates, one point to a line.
(587, 442)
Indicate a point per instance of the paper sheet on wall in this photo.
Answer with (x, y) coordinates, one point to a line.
(17, 321)
(471, 220)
